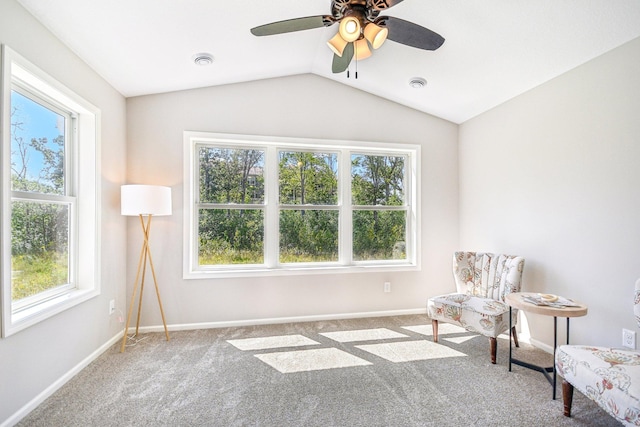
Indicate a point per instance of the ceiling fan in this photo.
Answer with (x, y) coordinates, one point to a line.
(360, 26)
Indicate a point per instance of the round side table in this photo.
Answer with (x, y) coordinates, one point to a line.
(515, 300)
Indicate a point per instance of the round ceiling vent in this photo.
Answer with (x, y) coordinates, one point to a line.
(203, 59)
(417, 83)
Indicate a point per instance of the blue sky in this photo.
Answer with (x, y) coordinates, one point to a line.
(36, 122)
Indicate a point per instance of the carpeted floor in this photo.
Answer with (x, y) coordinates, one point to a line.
(361, 372)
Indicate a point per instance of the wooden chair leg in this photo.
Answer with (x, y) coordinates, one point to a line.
(515, 336)
(434, 326)
(493, 349)
(567, 397)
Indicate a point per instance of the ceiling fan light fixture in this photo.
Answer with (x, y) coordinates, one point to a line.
(362, 49)
(337, 44)
(375, 34)
(349, 28)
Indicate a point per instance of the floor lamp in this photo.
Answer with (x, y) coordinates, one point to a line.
(144, 201)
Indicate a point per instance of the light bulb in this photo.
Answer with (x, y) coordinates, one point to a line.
(350, 29)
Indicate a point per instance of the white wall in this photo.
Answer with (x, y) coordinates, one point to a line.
(553, 175)
(300, 106)
(34, 359)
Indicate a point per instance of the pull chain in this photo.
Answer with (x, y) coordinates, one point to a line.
(355, 56)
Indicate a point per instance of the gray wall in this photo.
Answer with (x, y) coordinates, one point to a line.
(34, 359)
(300, 106)
(553, 175)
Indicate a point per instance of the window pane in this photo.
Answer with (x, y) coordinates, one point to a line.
(379, 235)
(231, 175)
(37, 147)
(308, 178)
(39, 247)
(231, 236)
(308, 236)
(377, 180)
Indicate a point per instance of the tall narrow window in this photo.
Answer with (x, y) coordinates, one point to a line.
(49, 207)
(231, 206)
(308, 184)
(380, 210)
(42, 201)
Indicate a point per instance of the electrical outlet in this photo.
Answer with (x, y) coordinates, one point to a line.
(629, 339)
(112, 306)
(387, 286)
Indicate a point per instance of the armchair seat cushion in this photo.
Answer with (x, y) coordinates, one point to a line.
(610, 377)
(485, 316)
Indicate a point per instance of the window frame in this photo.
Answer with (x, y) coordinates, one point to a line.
(81, 193)
(272, 146)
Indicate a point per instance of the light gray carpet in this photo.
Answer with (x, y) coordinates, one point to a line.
(199, 378)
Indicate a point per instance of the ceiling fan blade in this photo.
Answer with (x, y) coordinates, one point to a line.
(405, 32)
(341, 63)
(383, 4)
(296, 24)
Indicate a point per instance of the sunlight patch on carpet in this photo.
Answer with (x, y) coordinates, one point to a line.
(443, 328)
(363, 335)
(409, 351)
(311, 360)
(459, 340)
(272, 342)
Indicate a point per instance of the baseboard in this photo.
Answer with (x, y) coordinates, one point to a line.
(541, 345)
(276, 320)
(24, 411)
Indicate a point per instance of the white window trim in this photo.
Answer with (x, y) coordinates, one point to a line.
(191, 270)
(86, 162)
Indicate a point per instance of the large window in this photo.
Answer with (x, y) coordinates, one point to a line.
(258, 205)
(49, 224)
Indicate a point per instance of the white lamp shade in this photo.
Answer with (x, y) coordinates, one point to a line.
(375, 34)
(362, 49)
(337, 44)
(145, 200)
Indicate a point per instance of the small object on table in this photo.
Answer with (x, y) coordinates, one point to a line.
(548, 297)
(549, 300)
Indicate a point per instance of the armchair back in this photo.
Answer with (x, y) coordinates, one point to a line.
(489, 275)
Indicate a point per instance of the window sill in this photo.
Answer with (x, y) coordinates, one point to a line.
(32, 315)
(297, 271)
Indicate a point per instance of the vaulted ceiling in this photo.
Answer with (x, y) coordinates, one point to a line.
(494, 49)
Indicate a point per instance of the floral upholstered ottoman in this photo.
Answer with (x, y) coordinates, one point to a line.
(610, 377)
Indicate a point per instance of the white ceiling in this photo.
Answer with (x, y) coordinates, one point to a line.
(494, 49)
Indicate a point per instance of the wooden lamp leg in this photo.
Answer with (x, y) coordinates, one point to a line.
(144, 273)
(145, 253)
(155, 280)
(141, 262)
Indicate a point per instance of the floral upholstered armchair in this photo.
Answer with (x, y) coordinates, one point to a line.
(610, 377)
(482, 281)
